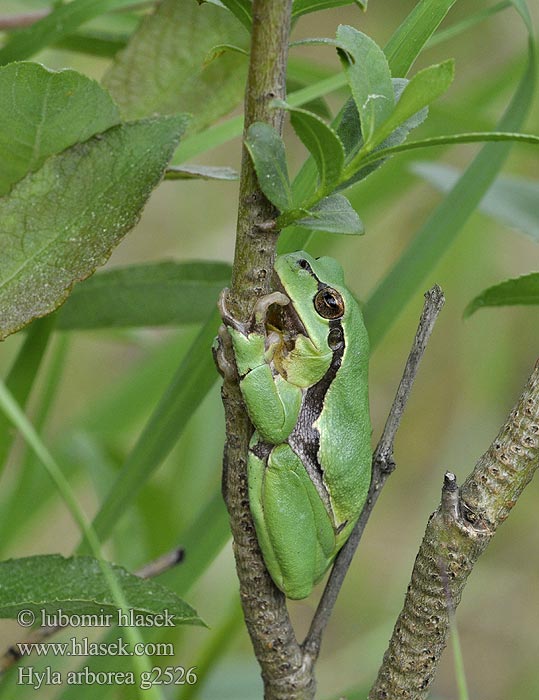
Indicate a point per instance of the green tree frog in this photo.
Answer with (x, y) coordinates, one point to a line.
(302, 362)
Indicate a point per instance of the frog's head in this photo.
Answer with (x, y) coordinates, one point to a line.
(321, 309)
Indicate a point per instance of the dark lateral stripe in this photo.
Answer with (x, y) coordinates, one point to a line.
(305, 438)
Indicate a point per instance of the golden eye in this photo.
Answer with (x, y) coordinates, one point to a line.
(329, 303)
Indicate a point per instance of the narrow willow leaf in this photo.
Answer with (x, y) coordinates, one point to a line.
(512, 200)
(43, 112)
(154, 294)
(62, 21)
(94, 42)
(369, 78)
(304, 7)
(267, 151)
(162, 70)
(407, 42)
(201, 172)
(242, 9)
(333, 214)
(77, 586)
(72, 212)
(453, 139)
(323, 144)
(423, 88)
(519, 291)
(349, 129)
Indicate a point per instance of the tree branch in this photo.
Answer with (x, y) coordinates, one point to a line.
(285, 674)
(383, 465)
(457, 533)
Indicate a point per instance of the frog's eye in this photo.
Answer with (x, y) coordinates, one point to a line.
(329, 303)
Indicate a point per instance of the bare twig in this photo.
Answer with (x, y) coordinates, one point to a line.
(161, 564)
(382, 466)
(154, 568)
(457, 533)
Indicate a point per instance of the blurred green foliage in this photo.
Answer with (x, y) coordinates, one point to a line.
(96, 390)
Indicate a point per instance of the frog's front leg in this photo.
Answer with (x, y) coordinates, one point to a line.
(273, 404)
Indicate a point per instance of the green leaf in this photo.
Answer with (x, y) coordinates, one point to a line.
(242, 9)
(60, 223)
(163, 69)
(451, 140)
(77, 586)
(423, 88)
(267, 151)
(511, 200)
(349, 129)
(323, 144)
(94, 42)
(407, 42)
(304, 7)
(369, 78)
(519, 291)
(63, 20)
(333, 214)
(154, 294)
(201, 172)
(43, 112)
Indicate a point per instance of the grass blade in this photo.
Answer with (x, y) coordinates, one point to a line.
(22, 375)
(407, 42)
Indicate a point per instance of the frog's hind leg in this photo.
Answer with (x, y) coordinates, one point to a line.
(293, 528)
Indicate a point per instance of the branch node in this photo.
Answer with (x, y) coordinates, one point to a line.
(266, 225)
(384, 463)
(450, 498)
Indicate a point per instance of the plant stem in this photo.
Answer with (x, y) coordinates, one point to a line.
(457, 533)
(284, 672)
